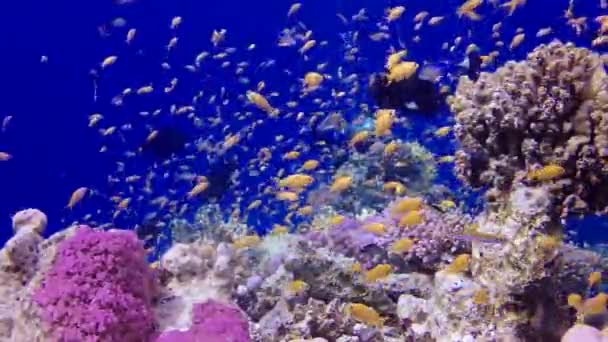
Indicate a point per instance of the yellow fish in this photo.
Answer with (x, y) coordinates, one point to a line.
(291, 155)
(297, 287)
(145, 90)
(312, 81)
(594, 279)
(595, 305)
(175, 22)
(287, 196)
(402, 246)
(411, 218)
(481, 297)
(254, 204)
(336, 220)
(341, 184)
(359, 138)
(517, 40)
(513, 4)
(391, 148)
(172, 43)
(218, 36)
(130, 36)
(375, 228)
(278, 229)
(468, 9)
(377, 273)
(77, 196)
(310, 165)
(407, 204)
(447, 204)
(246, 241)
(108, 61)
(442, 132)
(307, 46)
(435, 21)
(364, 314)
(548, 243)
(394, 59)
(198, 189)
(261, 102)
(384, 121)
(575, 300)
(546, 173)
(394, 13)
(421, 16)
(296, 182)
(123, 204)
(395, 187)
(459, 264)
(446, 159)
(305, 211)
(402, 71)
(293, 9)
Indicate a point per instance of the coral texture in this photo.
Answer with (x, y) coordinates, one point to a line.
(99, 288)
(411, 164)
(435, 237)
(549, 109)
(212, 321)
(33, 219)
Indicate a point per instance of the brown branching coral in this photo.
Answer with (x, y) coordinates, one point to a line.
(551, 109)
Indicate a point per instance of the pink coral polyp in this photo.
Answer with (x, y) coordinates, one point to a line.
(99, 288)
(212, 321)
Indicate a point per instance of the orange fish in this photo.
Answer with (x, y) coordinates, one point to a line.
(77, 196)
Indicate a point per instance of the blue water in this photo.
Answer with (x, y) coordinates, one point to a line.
(54, 150)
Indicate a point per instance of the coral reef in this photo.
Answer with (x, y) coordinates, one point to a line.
(585, 333)
(547, 110)
(436, 236)
(212, 321)
(18, 265)
(410, 164)
(305, 286)
(109, 285)
(515, 286)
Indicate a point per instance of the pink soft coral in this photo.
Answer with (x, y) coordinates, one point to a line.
(212, 321)
(99, 288)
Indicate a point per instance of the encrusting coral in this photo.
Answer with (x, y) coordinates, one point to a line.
(212, 321)
(549, 111)
(437, 235)
(108, 283)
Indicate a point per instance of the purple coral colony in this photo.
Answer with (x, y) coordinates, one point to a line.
(385, 254)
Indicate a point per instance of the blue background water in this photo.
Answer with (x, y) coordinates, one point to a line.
(54, 150)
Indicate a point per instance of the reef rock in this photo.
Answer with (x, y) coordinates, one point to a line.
(551, 109)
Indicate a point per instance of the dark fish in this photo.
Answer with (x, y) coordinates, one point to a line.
(170, 140)
(220, 177)
(474, 65)
(412, 93)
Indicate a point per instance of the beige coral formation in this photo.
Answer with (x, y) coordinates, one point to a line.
(502, 270)
(551, 108)
(525, 226)
(23, 261)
